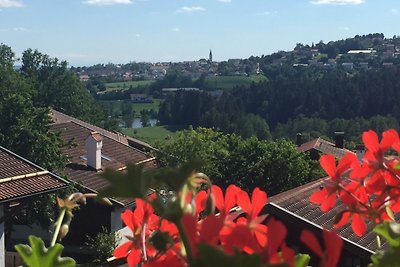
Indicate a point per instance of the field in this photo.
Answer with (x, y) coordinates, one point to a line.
(228, 82)
(152, 134)
(115, 106)
(126, 85)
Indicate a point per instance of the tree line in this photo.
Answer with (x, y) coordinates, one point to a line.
(296, 99)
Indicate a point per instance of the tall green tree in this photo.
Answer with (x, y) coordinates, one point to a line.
(228, 158)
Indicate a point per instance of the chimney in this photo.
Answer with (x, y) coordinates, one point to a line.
(93, 145)
(360, 151)
(299, 140)
(339, 139)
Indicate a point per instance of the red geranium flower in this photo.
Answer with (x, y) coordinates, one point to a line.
(276, 236)
(206, 231)
(357, 222)
(142, 222)
(375, 156)
(252, 209)
(333, 246)
(326, 197)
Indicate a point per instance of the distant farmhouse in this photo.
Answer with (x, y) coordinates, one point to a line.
(176, 89)
(141, 98)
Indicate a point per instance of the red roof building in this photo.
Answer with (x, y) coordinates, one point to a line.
(20, 180)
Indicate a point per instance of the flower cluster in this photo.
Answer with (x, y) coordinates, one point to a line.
(228, 223)
(369, 187)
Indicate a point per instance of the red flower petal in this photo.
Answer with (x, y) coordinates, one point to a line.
(230, 197)
(358, 225)
(134, 257)
(311, 242)
(128, 219)
(243, 201)
(276, 235)
(258, 201)
(333, 246)
(210, 228)
(343, 220)
(242, 239)
(328, 163)
(389, 137)
(328, 203)
(218, 197)
(200, 200)
(123, 250)
(370, 140)
(190, 225)
(319, 196)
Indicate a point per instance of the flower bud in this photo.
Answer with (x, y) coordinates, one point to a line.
(63, 231)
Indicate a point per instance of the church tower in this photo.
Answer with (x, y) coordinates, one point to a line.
(210, 56)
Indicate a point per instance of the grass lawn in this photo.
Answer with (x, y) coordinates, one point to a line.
(228, 82)
(126, 85)
(114, 106)
(153, 134)
(137, 107)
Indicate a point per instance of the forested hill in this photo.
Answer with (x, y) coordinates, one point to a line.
(335, 98)
(332, 95)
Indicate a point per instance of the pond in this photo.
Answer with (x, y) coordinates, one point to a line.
(136, 123)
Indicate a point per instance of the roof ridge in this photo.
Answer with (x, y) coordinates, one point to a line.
(113, 139)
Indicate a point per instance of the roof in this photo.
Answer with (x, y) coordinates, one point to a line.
(20, 178)
(59, 117)
(325, 147)
(295, 204)
(115, 155)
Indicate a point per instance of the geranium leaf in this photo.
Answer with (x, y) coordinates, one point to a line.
(37, 255)
(302, 260)
(391, 232)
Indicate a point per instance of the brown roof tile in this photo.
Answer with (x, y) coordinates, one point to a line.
(324, 147)
(21, 178)
(115, 155)
(60, 118)
(296, 203)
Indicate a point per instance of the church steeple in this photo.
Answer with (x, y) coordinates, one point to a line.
(210, 56)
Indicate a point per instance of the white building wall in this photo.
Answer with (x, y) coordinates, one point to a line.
(2, 240)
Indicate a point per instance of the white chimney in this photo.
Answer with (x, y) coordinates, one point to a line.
(93, 145)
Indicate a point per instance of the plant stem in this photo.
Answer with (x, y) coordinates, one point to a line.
(185, 242)
(58, 227)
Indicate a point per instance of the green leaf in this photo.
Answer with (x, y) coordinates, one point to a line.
(397, 166)
(214, 257)
(37, 255)
(131, 184)
(391, 232)
(302, 260)
(175, 178)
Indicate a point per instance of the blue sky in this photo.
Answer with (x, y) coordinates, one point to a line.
(86, 32)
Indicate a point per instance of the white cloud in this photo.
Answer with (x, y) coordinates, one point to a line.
(20, 29)
(107, 2)
(138, 35)
(337, 2)
(10, 3)
(190, 9)
(176, 29)
(394, 10)
(225, 1)
(267, 13)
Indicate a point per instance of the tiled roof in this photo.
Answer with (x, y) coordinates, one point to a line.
(59, 118)
(324, 147)
(296, 203)
(115, 155)
(21, 178)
